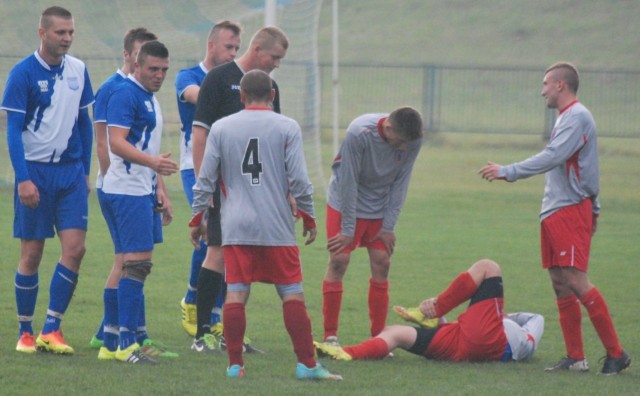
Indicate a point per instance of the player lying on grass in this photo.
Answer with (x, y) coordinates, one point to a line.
(481, 333)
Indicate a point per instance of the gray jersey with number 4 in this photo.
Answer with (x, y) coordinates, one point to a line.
(257, 154)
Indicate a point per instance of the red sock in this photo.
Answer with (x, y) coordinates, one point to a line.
(298, 324)
(235, 323)
(601, 319)
(460, 290)
(378, 305)
(571, 325)
(331, 302)
(373, 348)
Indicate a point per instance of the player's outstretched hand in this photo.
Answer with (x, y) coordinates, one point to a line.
(164, 166)
(491, 171)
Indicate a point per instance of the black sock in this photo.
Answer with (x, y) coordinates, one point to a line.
(209, 285)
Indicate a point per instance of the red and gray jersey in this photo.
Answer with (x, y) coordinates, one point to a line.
(370, 178)
(258, 157)
(569, 161)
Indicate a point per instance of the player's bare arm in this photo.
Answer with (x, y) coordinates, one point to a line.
(163, 202)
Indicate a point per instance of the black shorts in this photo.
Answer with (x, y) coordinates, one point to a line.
(214, 230)
(489, 288)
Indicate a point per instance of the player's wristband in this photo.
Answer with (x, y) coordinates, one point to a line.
(196, 220)
(307, 220)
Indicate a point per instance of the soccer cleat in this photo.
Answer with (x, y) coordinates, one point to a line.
(613, 366)
(218, 331)
(132, 354)
(26, 343)
(570, 364)
(156, 349)
(319, 372)
(207, 343)
(189, 318)
(235, 371)
(95, 342)
(332, 341)
(335, 352)
(54, 343)
(106, 354)
(416, 316)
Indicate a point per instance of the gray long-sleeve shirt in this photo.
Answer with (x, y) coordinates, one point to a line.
(258, 156)
(370, 178)
(569, 161)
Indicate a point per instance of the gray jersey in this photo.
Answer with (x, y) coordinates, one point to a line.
(370, 178)
(569, 161)
(258, 157)
(524, 332)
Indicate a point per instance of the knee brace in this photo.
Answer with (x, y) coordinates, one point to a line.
(136, 269)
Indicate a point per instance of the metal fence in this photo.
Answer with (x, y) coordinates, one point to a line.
(480, 99)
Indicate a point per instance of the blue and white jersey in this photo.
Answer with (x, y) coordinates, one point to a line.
(134, 108)
(100, 106)
(185, 79)
(50, 97)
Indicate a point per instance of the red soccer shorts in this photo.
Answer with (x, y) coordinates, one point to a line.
(365, 233)
(268, 264)
(565, 237)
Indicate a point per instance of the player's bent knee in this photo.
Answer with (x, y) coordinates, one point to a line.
(136, 269)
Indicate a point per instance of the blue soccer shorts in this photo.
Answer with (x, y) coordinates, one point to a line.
(63, 201)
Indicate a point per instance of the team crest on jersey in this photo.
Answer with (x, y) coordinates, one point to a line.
(73, 83)
(44, 85)
(149, 106)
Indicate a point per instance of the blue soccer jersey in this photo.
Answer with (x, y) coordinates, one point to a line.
(100, 106)
(50, 97)
(132, 107)
(185, 79)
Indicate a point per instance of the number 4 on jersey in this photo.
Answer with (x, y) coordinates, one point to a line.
(251, 164)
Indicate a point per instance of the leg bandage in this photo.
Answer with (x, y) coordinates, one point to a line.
(136, 269)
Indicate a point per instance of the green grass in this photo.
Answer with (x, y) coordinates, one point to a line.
(451, 218)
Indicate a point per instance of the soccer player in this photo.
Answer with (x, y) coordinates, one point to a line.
(568, 218)
(134, 122)
(106, 338)
(219, 97)
(258, 156)
(223, 44)
(366, 191)
(481, 333)
(47, 98)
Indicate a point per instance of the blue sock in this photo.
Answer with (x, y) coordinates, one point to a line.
(26, 295)
(111, 328)
(141, 330)
(63, 283)
(129, 296)
(100, 332)
(197, 258)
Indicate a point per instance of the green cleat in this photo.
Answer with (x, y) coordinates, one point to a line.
(319, 372)
(416, 316)
(207, 343)
(95, 342)
(156, 349)
(335, 352)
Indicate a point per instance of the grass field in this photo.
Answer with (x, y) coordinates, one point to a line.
(451, 218)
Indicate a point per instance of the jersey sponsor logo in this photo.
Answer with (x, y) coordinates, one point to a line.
(235, 87)
(149, 106)
(73, 83)
(44, 85)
